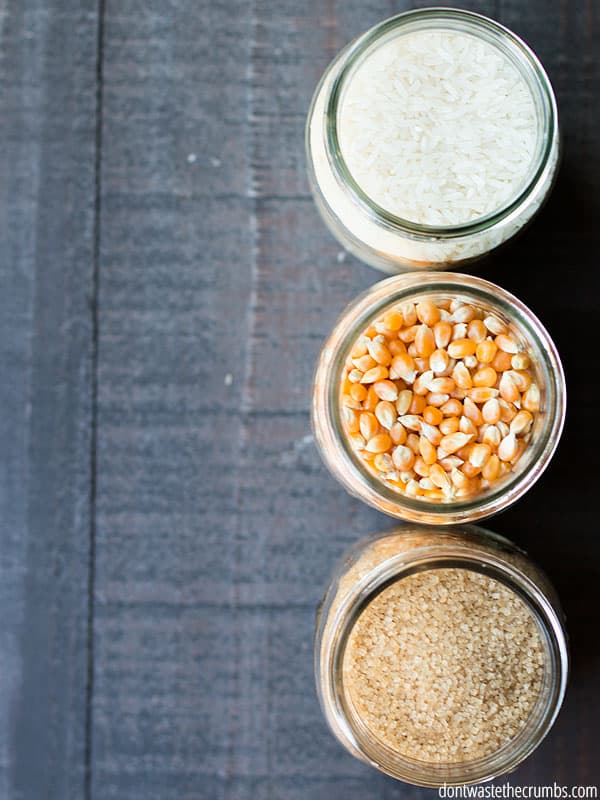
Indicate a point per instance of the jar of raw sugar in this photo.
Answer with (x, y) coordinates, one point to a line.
(438, 398)
(431, 139)
(440, 656)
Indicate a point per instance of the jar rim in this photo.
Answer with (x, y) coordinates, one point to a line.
(476, 557)
(326, 401)
(531, 69)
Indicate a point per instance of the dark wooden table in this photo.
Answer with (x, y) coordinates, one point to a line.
(167, 526)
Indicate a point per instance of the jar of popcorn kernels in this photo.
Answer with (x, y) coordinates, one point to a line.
(440, 655)
(438, 398)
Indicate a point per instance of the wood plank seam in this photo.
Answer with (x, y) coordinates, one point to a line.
(94, 405)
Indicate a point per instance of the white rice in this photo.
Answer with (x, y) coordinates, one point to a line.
(438, 127)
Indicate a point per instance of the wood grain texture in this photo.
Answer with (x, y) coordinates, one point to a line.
(47, 122)
(216, 526)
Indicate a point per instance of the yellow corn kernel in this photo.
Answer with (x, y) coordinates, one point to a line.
(379, 443)
(479, 454)
(462, 376)
(491, 411)
(494, 325)
(449, 425)
(521, 422)
(403, 366)
(364, 363)
(508, 388)
(464, 313)
(507, 411)
(428, 451)
(427, 313)
(466, 425)
(453, 442)
(486, 376)
(418, 404)
(459, 479)
(531, 398)
(393, 320)
(471, 411)
(357, 441)
(439, 477)
(520, 378)
(492, 436)
(370, 404)
(396, 347)
(424, 341)
(350, 420)
(421, 384)
(491, 469)
(481, 394)
(412, 441)
(407, 335)
(386, 390)
(383, 462)
(520, 361)
(386, 414)
(379, 353)
(476, 331)
(507, 344)
(403, 402)
(409, 314)
(470, 470)
(486, 351)
(442, 385)
(432, 415)
(438, 361)
(442, 333)
(502, 361)
(358, 391)
(369, 424)
(431, 432)
(460, 348)
(398, 433)
(375, 374)
(437, 399)
(452, 408)
(507, 449)
(420, 467)
(360, 347)
(403, 457)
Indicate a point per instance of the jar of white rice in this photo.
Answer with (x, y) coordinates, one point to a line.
(431, 140)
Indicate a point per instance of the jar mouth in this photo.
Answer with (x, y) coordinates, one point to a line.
(522, 57)
(356, 476)
(541, 716)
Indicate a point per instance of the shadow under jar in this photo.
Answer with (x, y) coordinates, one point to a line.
(431, 140)
(440, 656)
(404, 493)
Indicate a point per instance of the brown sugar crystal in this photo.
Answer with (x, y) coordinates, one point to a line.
(444, 665)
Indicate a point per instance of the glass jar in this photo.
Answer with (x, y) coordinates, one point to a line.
(380, 238)
(345, 463)
(380, 561)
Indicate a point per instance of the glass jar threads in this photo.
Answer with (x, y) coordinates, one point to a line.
(438, 398)
(440, 657)
(431, 139)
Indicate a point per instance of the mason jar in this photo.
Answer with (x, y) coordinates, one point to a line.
(337, 449)
(370, 231)
(390, 559)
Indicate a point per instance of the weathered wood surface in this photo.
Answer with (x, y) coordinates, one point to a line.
(47, 180)
(210, 520)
